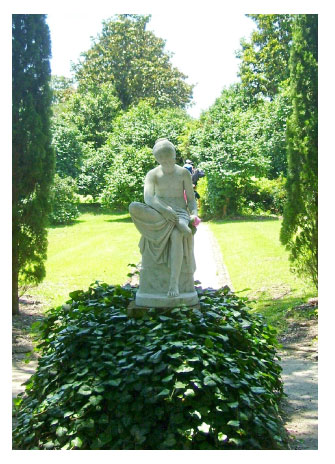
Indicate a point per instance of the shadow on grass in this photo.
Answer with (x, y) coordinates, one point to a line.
(234, 219)
(278, 311)
(118, 219)
(68, 224)
(97, 209)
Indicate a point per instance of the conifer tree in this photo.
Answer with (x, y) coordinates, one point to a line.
(299, 232)
(32, 154)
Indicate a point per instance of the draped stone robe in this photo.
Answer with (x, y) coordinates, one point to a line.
(155, 247)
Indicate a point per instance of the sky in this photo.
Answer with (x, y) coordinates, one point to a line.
(203, 45)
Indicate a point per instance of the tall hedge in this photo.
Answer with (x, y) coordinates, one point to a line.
(299, 231)
(32, 158)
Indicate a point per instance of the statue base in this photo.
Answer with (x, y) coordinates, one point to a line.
(161, 300)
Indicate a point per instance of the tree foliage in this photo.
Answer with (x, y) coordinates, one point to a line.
(33, 157)
(64, 203)
(133, 60)
(68, 147)
(264, 59)
(300, 225)
(129, 148)
(62, 89)
(235, 141)
(93, 112)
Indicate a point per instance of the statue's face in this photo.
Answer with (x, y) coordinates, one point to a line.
(165, 157)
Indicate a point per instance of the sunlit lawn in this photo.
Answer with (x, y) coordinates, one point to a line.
(95, 247)
(255, 259)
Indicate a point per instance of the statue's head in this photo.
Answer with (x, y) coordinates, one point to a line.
(164, 151)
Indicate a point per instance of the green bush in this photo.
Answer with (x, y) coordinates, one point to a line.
(185, 378)
(64, 201)
(263, 196)
(126, 183)
(203, 204)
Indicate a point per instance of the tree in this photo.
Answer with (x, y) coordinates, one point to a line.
(62, 89)
(68, 148)
(33, 157)
(93, 113)
(264, 59)
(134, 61)
(233, 143)
(129, 150)
(299, 232)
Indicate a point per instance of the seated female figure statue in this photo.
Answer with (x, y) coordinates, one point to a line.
(166, 244)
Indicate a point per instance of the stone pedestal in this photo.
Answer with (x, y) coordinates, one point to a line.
(154, 285)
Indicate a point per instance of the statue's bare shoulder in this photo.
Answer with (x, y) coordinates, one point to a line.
(184, 172)
(152, 174)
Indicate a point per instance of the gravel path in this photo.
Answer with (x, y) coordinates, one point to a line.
(210, 271)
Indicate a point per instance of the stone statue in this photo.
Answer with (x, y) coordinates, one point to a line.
(167, 243)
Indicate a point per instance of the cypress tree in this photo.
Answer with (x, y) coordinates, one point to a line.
(32, 154)
(299, 232)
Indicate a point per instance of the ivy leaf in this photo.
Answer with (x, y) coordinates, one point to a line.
(222, 436)
(145, 371)
(77, 442)
(208, 381)
(184, 368)
(209, 343)
(113, 382)
(180, 385)
(257, 389)
(95, 400)
(204, 427)
(234, 423)
(168, 378)
(164, 392)
(233, 405)
(61, 431)
(85, 390)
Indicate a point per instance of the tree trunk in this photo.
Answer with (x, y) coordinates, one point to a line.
(15, 280)
(225, 207)
(15, 244)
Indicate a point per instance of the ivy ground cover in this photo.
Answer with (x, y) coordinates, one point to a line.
(205, 378)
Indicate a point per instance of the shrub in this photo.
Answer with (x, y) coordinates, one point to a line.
(263, 196)
(68, 148)
(126, 181)
(203, 204)
(63, 201)
(185, 378)
(91, 180)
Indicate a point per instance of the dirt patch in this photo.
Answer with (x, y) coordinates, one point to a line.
(30, 312)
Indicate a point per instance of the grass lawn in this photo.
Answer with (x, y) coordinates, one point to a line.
(97, 246)
(256, 260)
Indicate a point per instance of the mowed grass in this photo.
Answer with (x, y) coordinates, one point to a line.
(256, 260)
(97, 246)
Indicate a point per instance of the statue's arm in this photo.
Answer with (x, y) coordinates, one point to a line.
(151, 200)
(191, 201)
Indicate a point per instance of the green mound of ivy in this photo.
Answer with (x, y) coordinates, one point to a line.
(183, 379)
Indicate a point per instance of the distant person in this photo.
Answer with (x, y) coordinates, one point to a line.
(189, 166)
(196, 175)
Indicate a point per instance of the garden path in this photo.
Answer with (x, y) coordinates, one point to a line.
(210, 271)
